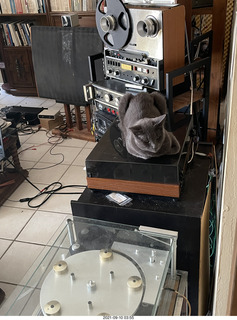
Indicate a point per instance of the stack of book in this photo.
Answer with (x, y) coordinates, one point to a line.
(22, 6)
(17, 33)
(73, 5)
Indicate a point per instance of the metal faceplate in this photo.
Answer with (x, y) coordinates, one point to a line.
(116, 281)
(94, 285)
(146, 39)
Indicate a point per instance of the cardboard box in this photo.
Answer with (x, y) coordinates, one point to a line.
(50, 124)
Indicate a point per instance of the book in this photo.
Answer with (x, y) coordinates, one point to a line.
(6, 33)
(12, 7)
(65, 5)
(19, 9)
(43, 6)
(32, 6)
(24, 28)
(15, 40)
(18, 34)
(24, 6)
(54, 5)
(23, 37)
(9, 34)
(4, 6)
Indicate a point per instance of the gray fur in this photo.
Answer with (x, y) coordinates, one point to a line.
(142, 119)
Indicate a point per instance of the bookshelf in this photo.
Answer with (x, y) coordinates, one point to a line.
(16, 18)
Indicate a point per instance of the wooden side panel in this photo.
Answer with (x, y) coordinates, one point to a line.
(157, 189)
(174, 39)
(204, 266)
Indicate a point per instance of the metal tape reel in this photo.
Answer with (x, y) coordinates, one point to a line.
(113, 24)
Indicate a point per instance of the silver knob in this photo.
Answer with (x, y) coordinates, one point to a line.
(108, 97)
(136, 78)
(145, 80)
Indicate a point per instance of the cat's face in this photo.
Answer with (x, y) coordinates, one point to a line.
(148, 133)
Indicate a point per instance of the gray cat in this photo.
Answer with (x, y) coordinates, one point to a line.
(142, 119)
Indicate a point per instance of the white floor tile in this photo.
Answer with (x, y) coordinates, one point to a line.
(38, 137)
(4, 245)
(41, 228)
(74, 143)
(17, 260)
(32, 102)
(32, 152)
(61, 203)
(45, 174)
(81, 158)
(90, 144)
(12, 221)
(58, 153)
(23, 137)
(9, 100)
(9, 293)
(74, 175)
(25, 190)
(27, 165)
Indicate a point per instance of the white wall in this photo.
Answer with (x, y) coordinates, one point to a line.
(228, 221)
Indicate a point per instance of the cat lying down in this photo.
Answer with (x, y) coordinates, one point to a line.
(142, 120)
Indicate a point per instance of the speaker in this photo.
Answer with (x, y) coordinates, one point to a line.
(70, 20)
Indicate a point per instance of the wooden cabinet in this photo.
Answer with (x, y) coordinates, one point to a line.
(16, 61)
(19, 71)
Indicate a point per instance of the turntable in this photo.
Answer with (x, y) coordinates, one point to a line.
(99, 268)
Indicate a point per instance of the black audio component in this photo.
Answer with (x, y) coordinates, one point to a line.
(106, 94)
(135, 69)
(110, 167)
(103, 121)
(28, 114)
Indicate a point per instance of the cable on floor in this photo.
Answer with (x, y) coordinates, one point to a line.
(45, 191)
(56, 186)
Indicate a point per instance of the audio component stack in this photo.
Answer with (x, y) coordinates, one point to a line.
(141, 44)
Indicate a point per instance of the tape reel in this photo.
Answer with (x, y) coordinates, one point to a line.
(113, 23)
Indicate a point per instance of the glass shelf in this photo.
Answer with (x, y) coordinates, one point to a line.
(91, 266)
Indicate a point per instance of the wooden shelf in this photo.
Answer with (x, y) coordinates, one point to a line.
(200, 11)
(184, 99)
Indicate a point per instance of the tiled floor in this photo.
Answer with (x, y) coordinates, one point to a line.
(24, 231)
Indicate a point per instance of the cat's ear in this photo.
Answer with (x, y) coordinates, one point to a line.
(159, 101)
(124, 102)
(158, 120)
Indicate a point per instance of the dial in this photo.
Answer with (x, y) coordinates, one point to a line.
(145, 80)
(108, 97)
(136, 78)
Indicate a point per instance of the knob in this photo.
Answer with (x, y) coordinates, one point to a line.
(136, 78)
(109, 71)
(108, 97)
(116, 101)
(145, 80)
(116, 73)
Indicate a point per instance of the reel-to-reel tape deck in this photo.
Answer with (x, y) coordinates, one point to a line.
(141, 44)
